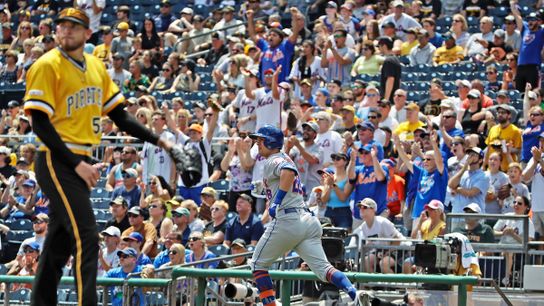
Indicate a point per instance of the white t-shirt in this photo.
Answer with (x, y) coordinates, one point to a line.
(331, 142)
(381, 228)
(316, 71)
(517, 225)
(155, 160)
(246, 107)
(111, 258)
(267, 109)
(119, 78)
(94, 19)
(258, 168)
(537, 188)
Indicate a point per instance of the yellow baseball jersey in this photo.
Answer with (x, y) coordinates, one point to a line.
(102, 52)
(74, 96)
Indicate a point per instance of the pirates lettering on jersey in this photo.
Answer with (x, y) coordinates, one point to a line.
(86, 96)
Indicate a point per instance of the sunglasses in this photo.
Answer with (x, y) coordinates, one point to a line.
(456, 143)
(338, 35)
(428, 159)
(338, 158)
(123, 256)
(397, 95)
(173, 252)
(457, 20)
(372, 117)
(365, 49)
(518, 203)
(26, 251)
(177, 215)
(193, 239)
(364, 207)
(372, 95)
(215, 209)
(364, 152)
(168, 70)
(126, 176)
(152, 183)
(38, 222)
(490, 72)
(128, 152)
(448, 117)
(535, 114)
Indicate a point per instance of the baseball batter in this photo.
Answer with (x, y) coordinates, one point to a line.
(293, 226)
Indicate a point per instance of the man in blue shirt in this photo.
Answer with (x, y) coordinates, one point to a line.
(163, 21)
(127, 258)
(276, 51)
(246, 225)
(365, 132)
(135, 240)
(532, 41)
(130, 189)
(162, 257)
(369, 180)
(432, 178)
(470, 186)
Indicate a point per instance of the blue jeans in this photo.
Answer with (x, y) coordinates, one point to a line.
(340, 216)
(192, 193)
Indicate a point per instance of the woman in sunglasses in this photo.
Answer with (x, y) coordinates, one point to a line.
(157, 217)
(511, 232)
(336, 192)
(197, 244)
(176, 254)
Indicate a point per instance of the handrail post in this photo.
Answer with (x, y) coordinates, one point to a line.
(462, 295)
(6, 294)
(201, 291)
(286, 288)
(105, 295)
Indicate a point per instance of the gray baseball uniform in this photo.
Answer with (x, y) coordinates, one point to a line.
(294, 227)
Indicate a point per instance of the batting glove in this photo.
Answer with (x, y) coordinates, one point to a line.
(272, 210)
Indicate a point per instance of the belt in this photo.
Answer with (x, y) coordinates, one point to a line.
(294, 210)
(76, 148)
(338, 208)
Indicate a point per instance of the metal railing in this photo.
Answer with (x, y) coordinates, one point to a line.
(287, 278)
(101, 281)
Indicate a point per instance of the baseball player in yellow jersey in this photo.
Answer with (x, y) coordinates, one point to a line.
(67, 93)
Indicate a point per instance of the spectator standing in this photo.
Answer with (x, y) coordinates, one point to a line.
(532, 132)
(497, 179)
(431, 179)
(123, 44)
(93, 9)
(307, 66)
(529, 59)
(329, 141)
(534, 174)
(505, 137)
(277, 51)
(369, 180)
(240, 178)
(129, 157)
(337, 191)
(338, 58)
(391, 69)
(402, 20)
(308, 155)
(513, 36)
(469, 186)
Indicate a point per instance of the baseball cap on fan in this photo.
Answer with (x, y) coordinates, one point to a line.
(74, 15)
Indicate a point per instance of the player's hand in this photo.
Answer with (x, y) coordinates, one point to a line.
(272, 210)
(88, 173)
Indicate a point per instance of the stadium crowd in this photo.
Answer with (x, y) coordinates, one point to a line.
(394, 112)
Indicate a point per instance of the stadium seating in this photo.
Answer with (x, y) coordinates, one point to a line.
(219, 249)
(20, 225)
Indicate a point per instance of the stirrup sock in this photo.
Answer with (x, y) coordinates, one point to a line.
(265, 286)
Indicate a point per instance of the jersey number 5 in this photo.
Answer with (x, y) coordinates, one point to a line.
(96, 125)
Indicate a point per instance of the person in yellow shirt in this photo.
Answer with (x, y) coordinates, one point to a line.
(410, 43)
(504, 138)
(103, 51)
(406, 129)
(449, 53)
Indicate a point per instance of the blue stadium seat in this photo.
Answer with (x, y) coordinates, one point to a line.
(219, 249)
(155, 299)
(250, 248)
(20, 225)
(209, 86)
(231, 215)
(100, 193)
(103, 203)
(21, 296)
(517, 104)
(220, 185)
(19, 236)
(498, 11)
(203, 69)
(3, 269)
(514, 95)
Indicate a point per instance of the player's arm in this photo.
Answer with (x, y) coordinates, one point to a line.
(128, 123)
(49, 136)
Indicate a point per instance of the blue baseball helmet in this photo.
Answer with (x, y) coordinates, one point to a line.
(273, 136)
